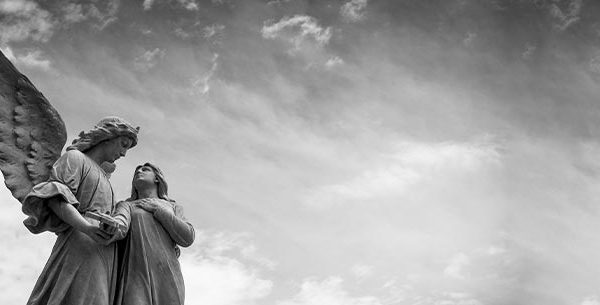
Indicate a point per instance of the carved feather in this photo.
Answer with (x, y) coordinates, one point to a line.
(32, 134)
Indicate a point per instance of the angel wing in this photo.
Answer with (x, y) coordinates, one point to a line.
(32, 134)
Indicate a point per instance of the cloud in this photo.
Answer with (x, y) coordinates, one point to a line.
(305, 41)
(219, 244)
(456, 266)
(32, 59)
(202, 84)
(591, 300)
(391, 175)
(333, 62)
(408, 294)
(214, 29)
(212, 32)
(148, 4)
(277, 2)
(73, 13)
(222, 281)
(22, 20)
(353, 10)
(148, 59)
(566, 17)
(23, 255)
(455, 298)
(214, 276)
(104, 17)
(100, 14)
(594, 64)
(296, 30)
(495, 250)
(469, 38)
(361, 271)
(328, 291)
(190, 5)
(529, 51)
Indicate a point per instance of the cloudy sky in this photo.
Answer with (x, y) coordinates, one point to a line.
(355, 152)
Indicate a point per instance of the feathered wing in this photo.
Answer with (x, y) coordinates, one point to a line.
(32, 134)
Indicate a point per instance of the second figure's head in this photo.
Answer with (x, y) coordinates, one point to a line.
(147, 176)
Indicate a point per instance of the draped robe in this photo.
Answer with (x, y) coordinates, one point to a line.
(149, 272)
(79, 270)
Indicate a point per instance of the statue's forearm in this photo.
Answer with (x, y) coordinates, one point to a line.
(69, 214)
(180, 231)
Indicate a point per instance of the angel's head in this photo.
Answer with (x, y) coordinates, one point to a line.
(110, 131)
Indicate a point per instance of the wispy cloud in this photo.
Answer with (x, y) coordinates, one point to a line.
(529, 51)
(148, 4)
(214, 276)
(148, 59)
(190, 5)
(24, 19)
(296, 30)
(469, 38)
(594, 64)
(96, 15)
(568, 16)
(412, 164)
(73, 13)
(212, 30)
(362, 271)
(330, 292)
(19, 269)
(456, 266)
(31, 59)
(354, 10)
(202, 84)
(591, 300)
(333, 62)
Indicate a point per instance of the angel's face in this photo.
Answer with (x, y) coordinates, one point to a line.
(116, 148)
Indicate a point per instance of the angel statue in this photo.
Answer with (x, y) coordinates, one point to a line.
(62, 193)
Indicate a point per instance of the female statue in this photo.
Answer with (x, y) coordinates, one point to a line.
(149, 272)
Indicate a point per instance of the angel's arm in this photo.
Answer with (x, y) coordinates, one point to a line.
(64, 183)
(69, 214)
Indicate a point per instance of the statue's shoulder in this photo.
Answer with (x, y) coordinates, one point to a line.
(73, 155)
(72, 159)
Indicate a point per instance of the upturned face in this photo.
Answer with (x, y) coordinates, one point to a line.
(144, 174)
(116, 148)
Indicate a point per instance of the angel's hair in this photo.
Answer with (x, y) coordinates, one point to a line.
(162, 186)
(108, 128)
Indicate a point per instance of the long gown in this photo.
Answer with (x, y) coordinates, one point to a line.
(149, 270)
(79, 270)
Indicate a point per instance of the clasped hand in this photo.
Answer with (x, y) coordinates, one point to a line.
(154, 204)
(104, 234)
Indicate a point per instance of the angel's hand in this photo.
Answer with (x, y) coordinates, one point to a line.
(97, 234)
(120, 234)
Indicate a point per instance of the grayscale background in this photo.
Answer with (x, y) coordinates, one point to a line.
(362, 152)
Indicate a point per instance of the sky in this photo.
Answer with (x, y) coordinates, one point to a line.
(351, 152)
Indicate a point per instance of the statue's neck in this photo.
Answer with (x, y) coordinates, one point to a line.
(147, 193)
